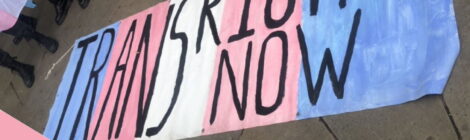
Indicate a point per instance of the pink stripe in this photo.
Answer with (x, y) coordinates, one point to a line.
(7, 21)
(227, 118)
(128, 128)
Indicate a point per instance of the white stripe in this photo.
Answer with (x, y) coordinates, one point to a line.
(186, 119)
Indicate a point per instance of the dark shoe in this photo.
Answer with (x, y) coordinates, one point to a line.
(83, 3)
(25, 71)
(50, 44)
(62, 9)
(60, 18)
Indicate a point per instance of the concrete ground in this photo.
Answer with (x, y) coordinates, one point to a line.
(432, 117)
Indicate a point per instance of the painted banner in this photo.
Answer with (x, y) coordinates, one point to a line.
(12, 129)
(186, 68)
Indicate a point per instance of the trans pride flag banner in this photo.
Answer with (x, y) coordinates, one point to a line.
(186, 68)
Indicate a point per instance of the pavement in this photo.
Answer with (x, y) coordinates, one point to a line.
(434, 117)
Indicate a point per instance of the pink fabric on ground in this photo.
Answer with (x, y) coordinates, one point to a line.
(12, 129)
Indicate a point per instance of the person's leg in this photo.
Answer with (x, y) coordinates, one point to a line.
(25, 19)
(33, 22)
(16, 32)
(26, 71)
(23, 30)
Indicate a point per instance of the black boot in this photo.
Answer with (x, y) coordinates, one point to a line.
(25, 71)
(50, 44)
(62, 7)
(83, 3)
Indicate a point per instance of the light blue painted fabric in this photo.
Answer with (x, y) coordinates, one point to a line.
(404, 49)
(80, 86)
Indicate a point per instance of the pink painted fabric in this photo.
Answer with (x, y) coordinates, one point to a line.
(9, 12)
(227, 118)
(12, 129)
(128, 128)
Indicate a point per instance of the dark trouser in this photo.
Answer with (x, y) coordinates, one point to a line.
(25, 27)
(22, 28)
